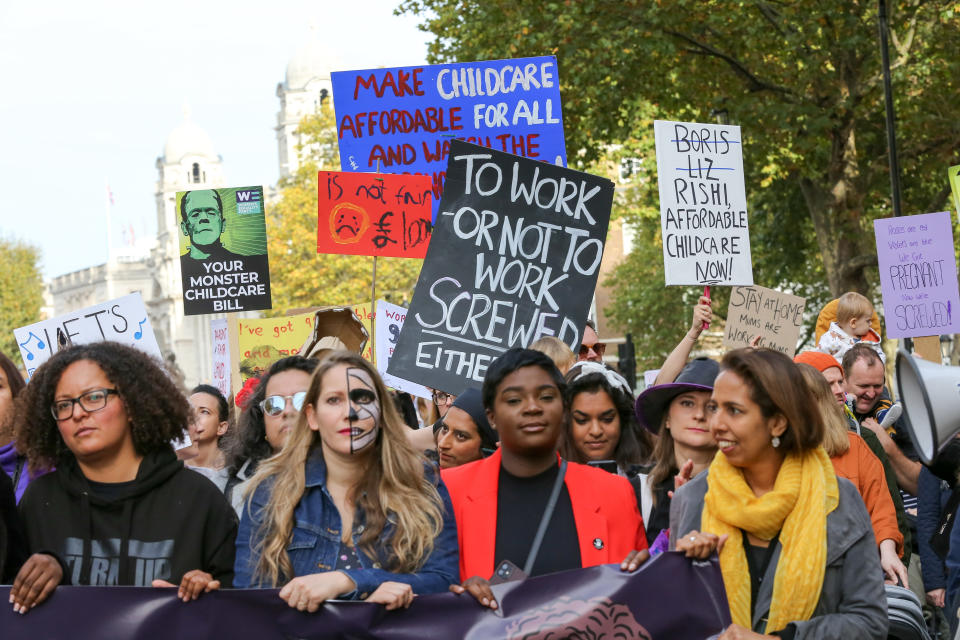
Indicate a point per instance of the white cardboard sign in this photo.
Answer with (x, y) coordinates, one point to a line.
(703, 204)
(221, 356)
(390, 319)
(120, 320)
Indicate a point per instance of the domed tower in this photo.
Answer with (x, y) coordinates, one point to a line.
(307, 85)
(188, 162)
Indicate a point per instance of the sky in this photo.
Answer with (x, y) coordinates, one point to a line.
(91, 89)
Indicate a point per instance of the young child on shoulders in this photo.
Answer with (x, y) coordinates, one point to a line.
(851, 326)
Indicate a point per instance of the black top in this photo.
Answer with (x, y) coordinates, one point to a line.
(110, 491)
(520, 505)
(758, 559)
(13, 540)
(659, 516)
(166, 522)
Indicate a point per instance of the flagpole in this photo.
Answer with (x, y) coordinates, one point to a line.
(109, 223)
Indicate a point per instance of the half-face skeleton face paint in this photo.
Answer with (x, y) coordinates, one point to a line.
(364, 409)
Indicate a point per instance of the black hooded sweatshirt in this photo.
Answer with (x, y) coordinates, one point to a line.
(166, 522)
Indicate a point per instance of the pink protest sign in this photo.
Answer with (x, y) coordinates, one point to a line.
(918, 275)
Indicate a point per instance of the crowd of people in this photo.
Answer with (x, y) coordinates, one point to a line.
(317, 480)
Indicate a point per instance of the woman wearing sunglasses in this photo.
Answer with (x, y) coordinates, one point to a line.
(266, 422)
(348, 509)
(113, 512)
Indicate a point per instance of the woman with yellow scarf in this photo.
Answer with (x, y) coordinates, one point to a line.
(796, 546)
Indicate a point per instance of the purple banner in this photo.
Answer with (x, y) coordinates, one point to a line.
(918, 275)
(670, 598)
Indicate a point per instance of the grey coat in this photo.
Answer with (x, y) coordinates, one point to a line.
(852, 603)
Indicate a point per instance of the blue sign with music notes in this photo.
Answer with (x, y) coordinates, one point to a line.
(120, 320)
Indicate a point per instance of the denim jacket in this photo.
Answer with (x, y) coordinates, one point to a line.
(316, 537)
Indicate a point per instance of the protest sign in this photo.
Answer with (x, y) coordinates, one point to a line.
(403, 120)
(953, 173)
(668, 597)
(514, 256)
(703, 204)
(262, 341)
(390, 318)
(757, 311)
(220, 376)
(918, 275)
(259, 342)
(223, 250)
(369, 214)
(119, 320)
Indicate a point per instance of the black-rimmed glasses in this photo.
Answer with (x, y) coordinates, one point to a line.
(91, 401)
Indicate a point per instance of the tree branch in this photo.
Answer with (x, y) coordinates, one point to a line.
(770, 15)
(755, 83)
(939, 200)
(858, 263)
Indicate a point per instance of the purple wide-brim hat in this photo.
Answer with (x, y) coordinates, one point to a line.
(698, 375)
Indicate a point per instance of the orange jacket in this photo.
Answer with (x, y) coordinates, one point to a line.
(829, 314)
(609, 525)
(864, 470)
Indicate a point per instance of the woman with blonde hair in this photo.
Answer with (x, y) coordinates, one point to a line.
(853, 460)
(347, 509)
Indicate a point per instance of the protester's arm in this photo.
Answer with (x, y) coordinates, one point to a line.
(421, 439)
(247, 538)
(35, 581)
(219, 540)
(907, 470)
(928, 517)
(892, 487)
(876, 497)
(441, 569)
(219, 536)
(479, 588)
(953, 569)
(677, 359)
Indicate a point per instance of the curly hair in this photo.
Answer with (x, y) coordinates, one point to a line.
(248, 441)
(16, 384)
(634, 446)
(157, 408)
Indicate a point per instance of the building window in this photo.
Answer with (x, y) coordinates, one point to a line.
(630, 167)
(196, 172)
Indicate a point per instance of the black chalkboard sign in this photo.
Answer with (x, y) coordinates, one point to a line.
(514, 256)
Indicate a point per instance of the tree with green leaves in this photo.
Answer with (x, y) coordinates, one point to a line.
(802, 79)
(21, 292)
(299, 277)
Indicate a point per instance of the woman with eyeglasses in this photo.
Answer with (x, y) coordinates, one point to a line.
(113, 512)
(263, 427)
(348, 509)
(425, 438)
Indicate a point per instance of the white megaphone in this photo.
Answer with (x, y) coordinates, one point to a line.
(930, 394)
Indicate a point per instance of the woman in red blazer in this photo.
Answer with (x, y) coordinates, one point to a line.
(499, 502)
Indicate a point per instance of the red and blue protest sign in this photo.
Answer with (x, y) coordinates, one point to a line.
(402, 120)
